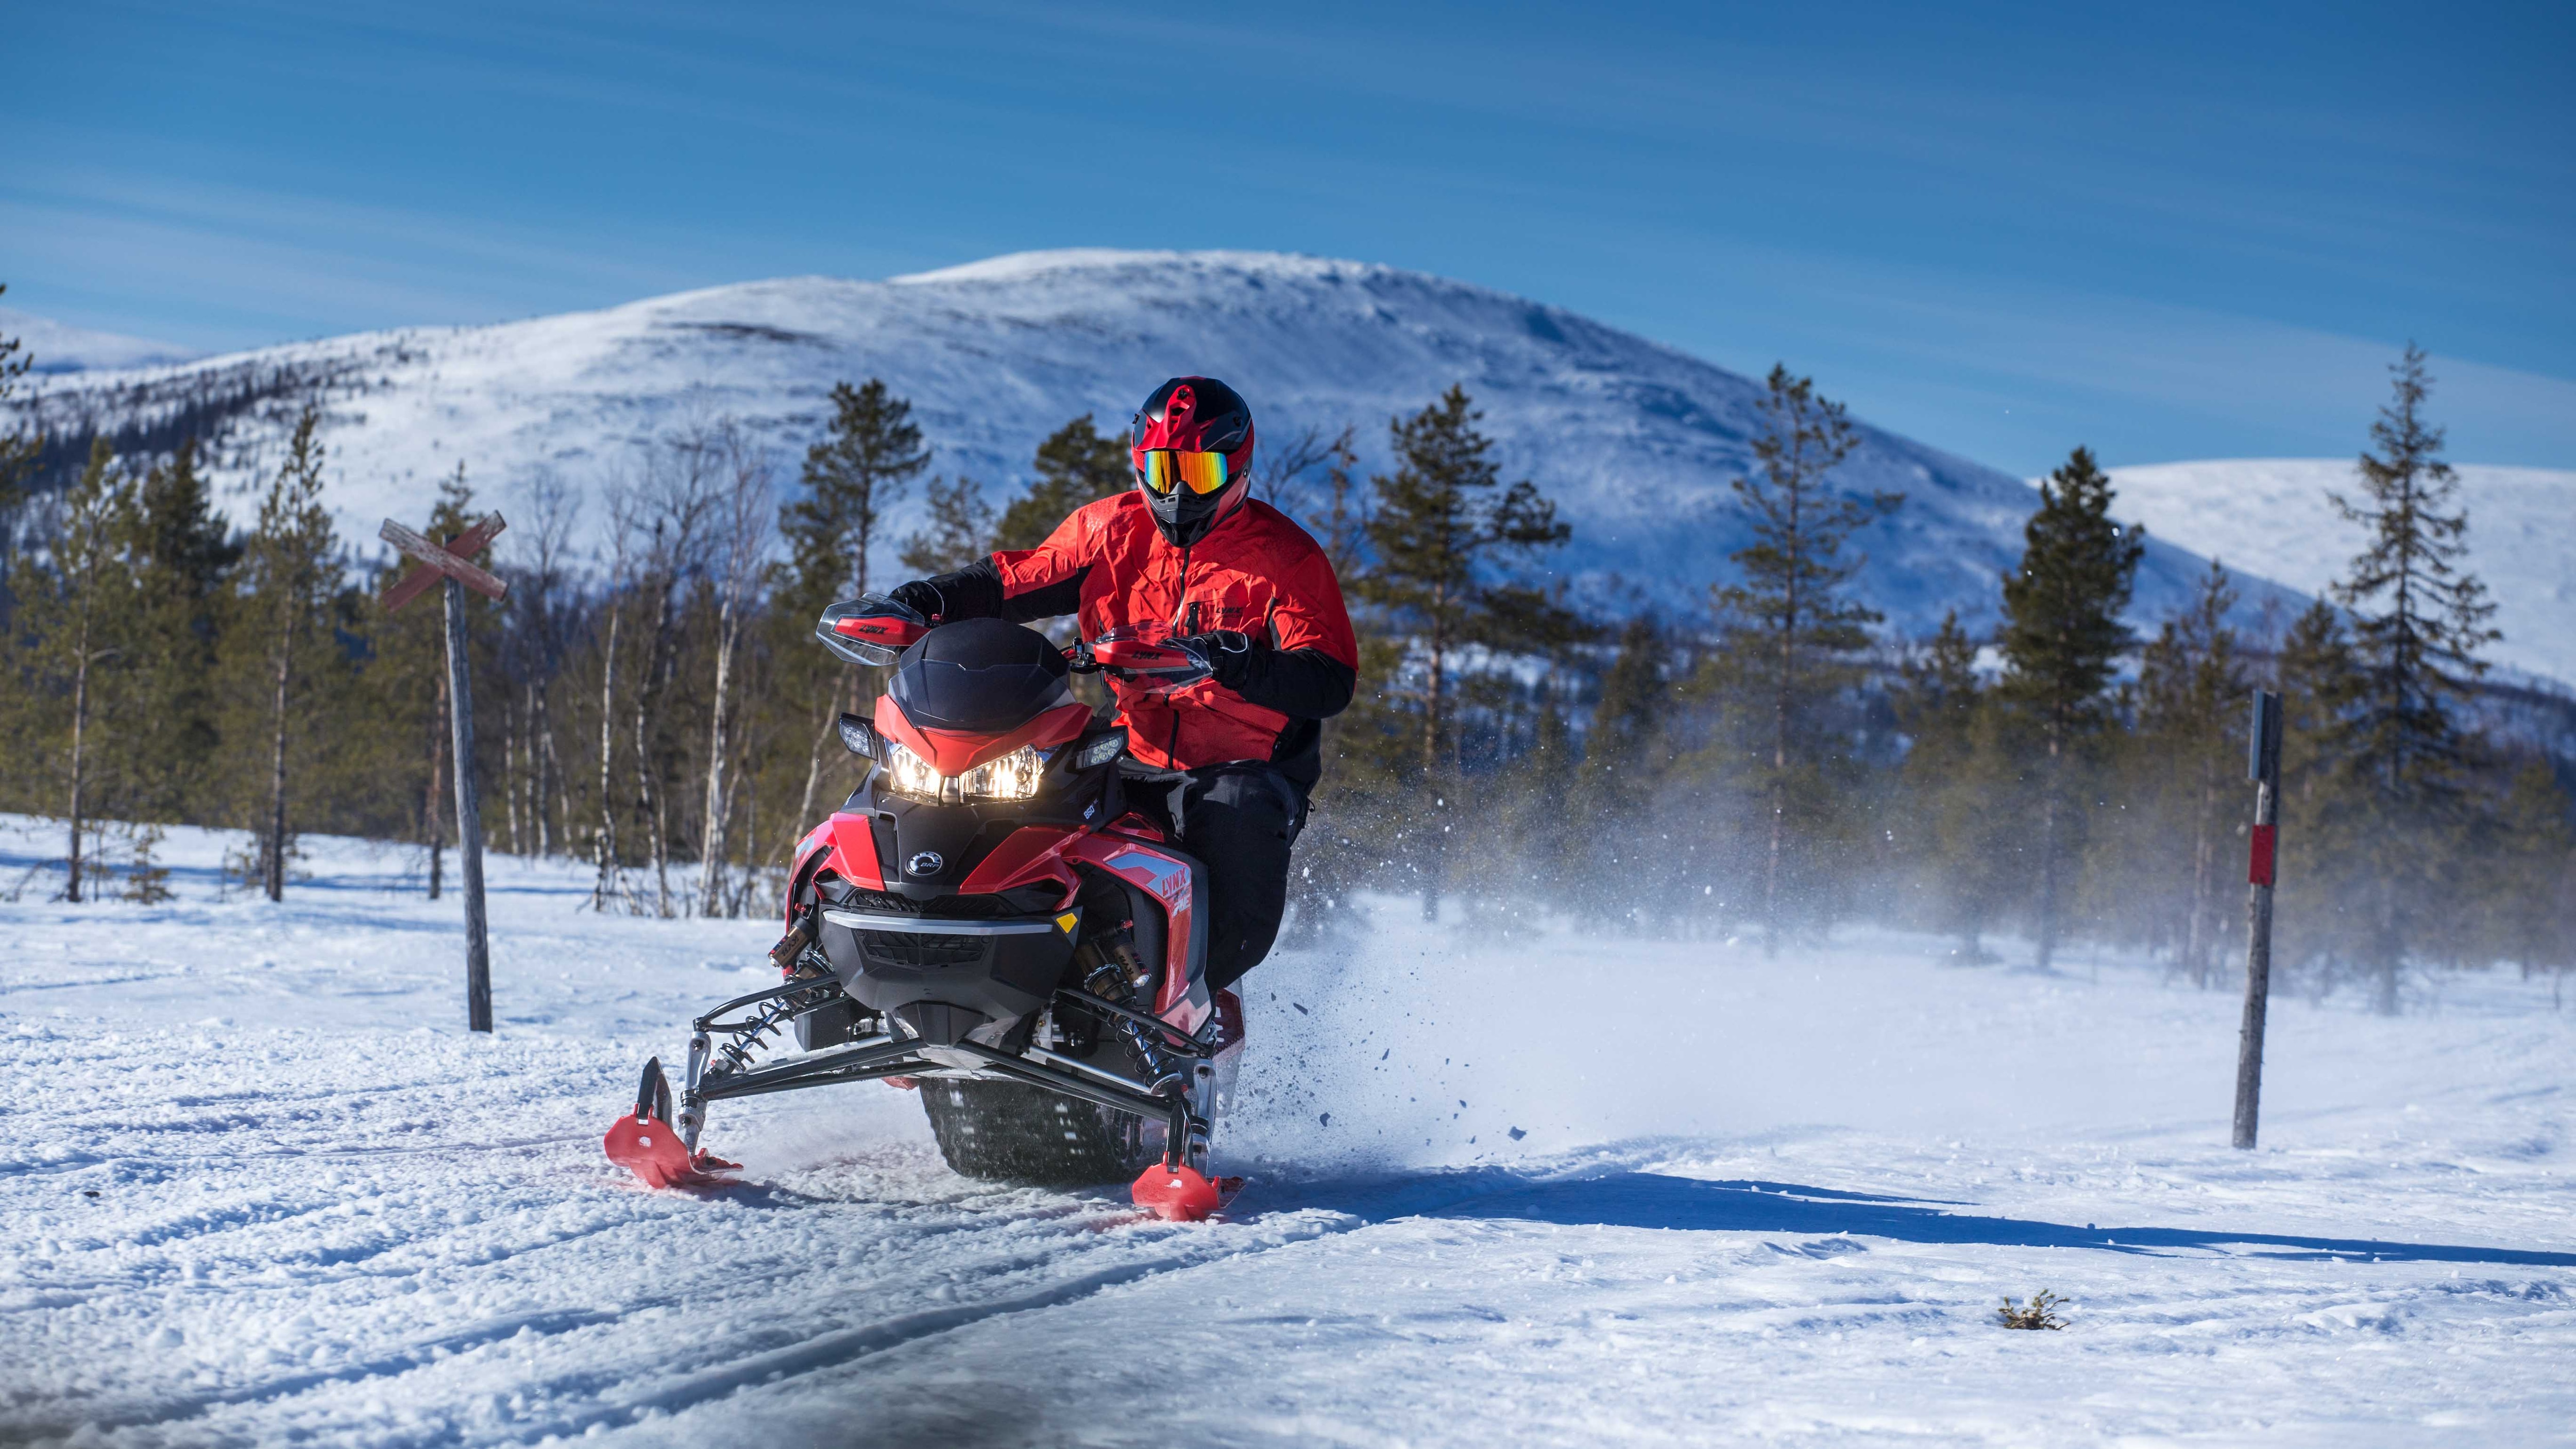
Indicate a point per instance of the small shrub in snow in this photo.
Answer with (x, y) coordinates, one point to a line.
(2039, 1312)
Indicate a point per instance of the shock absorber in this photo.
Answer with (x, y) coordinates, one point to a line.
(1118, 977)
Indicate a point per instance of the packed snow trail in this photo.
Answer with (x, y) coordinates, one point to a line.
(257, 1186)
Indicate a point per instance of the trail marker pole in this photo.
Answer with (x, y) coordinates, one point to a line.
(2263, 765)
(452, 565)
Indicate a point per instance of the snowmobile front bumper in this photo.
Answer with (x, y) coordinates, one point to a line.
(1182, 1100)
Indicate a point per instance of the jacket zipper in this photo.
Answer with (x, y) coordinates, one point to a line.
(1189, 611)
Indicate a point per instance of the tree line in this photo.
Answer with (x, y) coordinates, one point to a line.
(1762, 768)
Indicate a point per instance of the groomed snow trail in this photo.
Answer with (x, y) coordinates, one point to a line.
(257, 1186)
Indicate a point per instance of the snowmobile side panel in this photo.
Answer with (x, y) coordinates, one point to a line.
(854, 851)
(1028, 855)
(1179, 885)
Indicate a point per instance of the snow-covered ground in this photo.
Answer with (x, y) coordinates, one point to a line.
(257, 1186)
(2271, 516)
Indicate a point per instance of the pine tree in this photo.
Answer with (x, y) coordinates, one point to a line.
(852, 476)
(1790, 622)
(1075, 466)
(293, 574)
(1442, 525)
(2418, 621)
(2191, 704)
(2061, 639)
(81, 623)
(960, 532)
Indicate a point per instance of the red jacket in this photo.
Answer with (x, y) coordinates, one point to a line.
(1256, 572)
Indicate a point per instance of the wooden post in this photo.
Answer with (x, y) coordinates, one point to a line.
(2263, 764)
(451, 564)
(469, 817)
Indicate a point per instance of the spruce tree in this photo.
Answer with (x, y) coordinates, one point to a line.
(2419, 620)
(2191, 705)
(2320, 870)
(1075, 465)
(293, 574)
(182, 556)
(20, 444)
(1624, 759)
(1790, 622)
(1443, 525)
(2062, 638)
(1622, 752)
(2531, 879)
(1958, 791)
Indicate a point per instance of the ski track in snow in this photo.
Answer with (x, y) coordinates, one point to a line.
(259, 1187)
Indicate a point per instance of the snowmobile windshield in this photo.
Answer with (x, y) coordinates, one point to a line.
(981, 676)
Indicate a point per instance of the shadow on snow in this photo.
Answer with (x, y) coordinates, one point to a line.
(1657, 1200)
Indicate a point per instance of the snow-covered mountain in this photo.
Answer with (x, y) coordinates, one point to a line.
(1635, 440)
(59, 347)
(2272, 515)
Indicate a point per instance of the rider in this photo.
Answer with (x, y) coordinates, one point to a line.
(1189, 550)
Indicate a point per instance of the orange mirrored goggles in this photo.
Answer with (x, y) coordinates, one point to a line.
(1169, 468)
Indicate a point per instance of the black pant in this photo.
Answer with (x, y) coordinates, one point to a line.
(1239, 820)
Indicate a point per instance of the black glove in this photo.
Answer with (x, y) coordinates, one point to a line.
(1227, 651)
(921, 596)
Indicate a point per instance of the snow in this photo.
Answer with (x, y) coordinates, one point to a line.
(60, 347)
(1637, 441)
(2272, 514)
(1751, 1201)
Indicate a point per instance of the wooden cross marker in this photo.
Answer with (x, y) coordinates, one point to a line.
(452, 564)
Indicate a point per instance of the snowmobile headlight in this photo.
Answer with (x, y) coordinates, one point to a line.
(1012, 777)
(909, 774)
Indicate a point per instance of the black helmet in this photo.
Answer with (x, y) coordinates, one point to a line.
(1191, 445)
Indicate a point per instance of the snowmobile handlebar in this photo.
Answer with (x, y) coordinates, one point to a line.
(871, 629)
(1149, 657)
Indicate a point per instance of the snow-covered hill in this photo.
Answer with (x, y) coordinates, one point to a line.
(1636, 440)
(2270, 515)
(58, 347)
(259, 1187)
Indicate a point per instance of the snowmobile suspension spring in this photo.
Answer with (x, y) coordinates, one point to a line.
(734, 1055)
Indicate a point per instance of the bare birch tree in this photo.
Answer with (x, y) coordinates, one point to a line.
(745, 497)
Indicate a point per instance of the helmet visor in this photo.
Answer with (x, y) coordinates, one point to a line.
(1169, 468)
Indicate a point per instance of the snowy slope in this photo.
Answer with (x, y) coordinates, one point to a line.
(58, 347)
(1636, 440)
(2271, 515)
(257, 1187)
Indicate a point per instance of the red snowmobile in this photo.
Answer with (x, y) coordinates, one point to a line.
(987, 920)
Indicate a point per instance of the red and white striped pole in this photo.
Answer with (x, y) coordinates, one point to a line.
(2263, 764)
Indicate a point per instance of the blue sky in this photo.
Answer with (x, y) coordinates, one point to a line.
(2167, 231)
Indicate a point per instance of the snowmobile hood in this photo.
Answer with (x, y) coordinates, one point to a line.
(979, 676)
